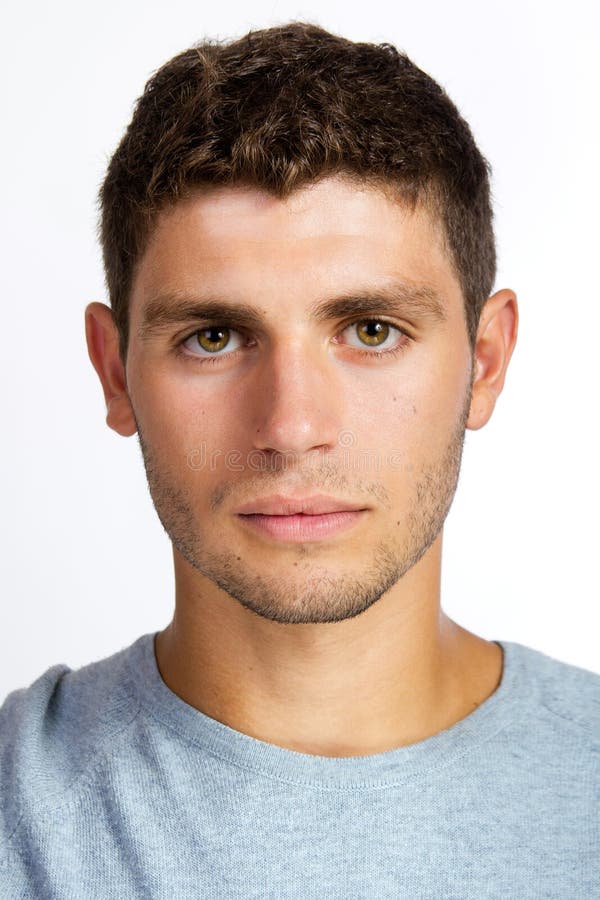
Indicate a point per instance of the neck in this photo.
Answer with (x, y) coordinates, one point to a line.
(394, 675)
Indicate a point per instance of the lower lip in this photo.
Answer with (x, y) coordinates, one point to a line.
(302, 527)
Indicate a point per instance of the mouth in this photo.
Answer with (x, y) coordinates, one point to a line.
(302, 526)
(292, 519)
(280, 505)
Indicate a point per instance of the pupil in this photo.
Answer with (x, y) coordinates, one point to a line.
(208, 337)
(372, 331)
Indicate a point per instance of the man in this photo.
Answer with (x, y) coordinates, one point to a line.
(299, 252)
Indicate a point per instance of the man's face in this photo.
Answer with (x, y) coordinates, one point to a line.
(230, 411)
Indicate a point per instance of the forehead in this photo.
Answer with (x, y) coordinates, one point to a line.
(336, 203)
(326, 237)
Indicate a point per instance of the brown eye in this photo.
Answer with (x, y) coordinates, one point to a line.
(212, 340)
(373, 333)
(376, 333)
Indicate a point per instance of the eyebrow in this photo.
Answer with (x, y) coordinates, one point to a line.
(164, 311)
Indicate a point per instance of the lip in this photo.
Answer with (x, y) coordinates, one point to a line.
(302, 526)
(316, 505)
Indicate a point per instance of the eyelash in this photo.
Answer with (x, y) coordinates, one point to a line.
(393, 351)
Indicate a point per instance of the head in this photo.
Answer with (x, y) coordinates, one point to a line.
(330, 191)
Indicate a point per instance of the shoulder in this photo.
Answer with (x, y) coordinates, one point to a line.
(567, 693)
(53, 731)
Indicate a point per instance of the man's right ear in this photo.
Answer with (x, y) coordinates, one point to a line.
(103, 348)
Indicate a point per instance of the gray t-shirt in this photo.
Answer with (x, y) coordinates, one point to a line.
(114, 787)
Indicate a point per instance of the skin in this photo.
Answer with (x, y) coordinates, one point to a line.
(337, 646)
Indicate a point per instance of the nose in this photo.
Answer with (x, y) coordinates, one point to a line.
(297, 400)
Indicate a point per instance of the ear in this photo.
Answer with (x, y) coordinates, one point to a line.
(496, 339)
(103, 349)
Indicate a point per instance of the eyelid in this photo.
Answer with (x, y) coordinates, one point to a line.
(384, 319)
(371, 318)
(181, 341)
(206, 327)
(355, 320)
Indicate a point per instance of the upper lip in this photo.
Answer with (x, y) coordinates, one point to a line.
(279, 505)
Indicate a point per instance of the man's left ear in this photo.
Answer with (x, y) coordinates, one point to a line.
(496, 339)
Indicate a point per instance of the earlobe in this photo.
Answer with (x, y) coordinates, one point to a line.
(103, 349)
(496, 339)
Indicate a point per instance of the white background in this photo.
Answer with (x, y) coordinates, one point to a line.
(86, 566)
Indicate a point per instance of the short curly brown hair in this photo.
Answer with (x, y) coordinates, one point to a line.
(283, 107)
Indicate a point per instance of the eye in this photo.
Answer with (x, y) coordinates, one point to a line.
(376, 333)
(210, 341)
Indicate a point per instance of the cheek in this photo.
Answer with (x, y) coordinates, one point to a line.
(179, 419)
(384, 411)
(426, 392)
(414, 411)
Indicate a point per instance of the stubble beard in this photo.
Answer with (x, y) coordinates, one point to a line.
(312, 593)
